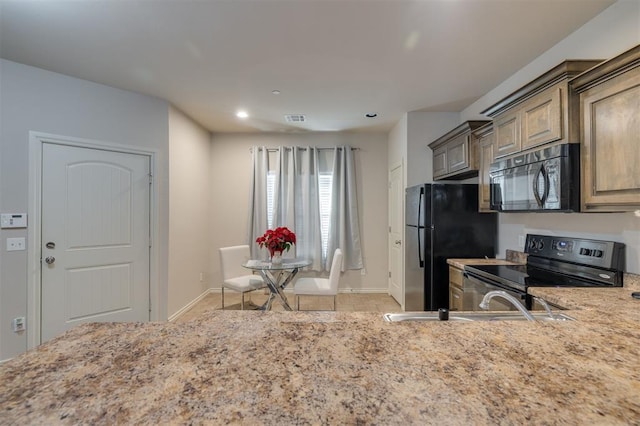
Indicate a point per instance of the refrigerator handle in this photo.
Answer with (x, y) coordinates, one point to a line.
(420, 207)
(420, 257)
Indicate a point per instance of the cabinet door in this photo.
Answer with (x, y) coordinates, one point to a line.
(486, 144)
(458, 154)
(456, 276)
(455, 298)
(611, 144)
(541, 118)
(440, 162)
(456, 295)
(507, 133)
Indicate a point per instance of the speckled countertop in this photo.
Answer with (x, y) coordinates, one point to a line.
(337, 368)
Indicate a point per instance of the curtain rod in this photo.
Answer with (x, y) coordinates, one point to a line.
(303, 148)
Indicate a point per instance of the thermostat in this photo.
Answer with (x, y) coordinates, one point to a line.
(13, 220)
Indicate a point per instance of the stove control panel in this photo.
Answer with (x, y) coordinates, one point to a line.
(601, 254)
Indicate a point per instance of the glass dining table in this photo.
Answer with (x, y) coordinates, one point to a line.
(277, 276)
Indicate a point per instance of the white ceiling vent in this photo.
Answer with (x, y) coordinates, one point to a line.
(295, 118)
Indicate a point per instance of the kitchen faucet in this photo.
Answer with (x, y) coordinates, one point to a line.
(545, 305)
(499, 293)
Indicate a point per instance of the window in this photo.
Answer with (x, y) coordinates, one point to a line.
(297, 187)
(325, 181)
(271, 189)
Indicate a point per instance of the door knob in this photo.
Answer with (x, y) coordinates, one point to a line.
(398, 242)
(49, 260)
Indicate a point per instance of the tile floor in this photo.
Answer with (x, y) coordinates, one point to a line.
(345, 302)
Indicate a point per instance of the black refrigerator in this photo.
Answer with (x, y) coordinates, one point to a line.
(442, 221)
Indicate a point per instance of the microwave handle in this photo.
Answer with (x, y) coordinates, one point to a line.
(536, 188)
(547, 184)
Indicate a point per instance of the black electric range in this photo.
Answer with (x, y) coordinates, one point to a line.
(555, 262)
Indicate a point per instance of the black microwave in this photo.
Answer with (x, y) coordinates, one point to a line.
(544, 180)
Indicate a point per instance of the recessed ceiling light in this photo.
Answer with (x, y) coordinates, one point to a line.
(275, 92)
(242, 114)
(371, 115)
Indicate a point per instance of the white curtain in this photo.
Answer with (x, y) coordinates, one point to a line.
(296, 203)
(344, 228)
(258, 198)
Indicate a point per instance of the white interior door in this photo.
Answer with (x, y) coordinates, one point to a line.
(95, 237)
(396, 228)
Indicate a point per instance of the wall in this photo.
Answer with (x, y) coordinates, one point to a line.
(422, 129)
(38, 100)
(607, 35)
(231, 173)
(397, 145)
(189, 210)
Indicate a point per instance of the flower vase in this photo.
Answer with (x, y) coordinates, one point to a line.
(276, 258)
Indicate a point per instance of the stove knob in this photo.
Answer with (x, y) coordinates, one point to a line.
(532, 244)
(540, 245)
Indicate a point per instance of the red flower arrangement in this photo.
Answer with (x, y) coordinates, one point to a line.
(280, 239)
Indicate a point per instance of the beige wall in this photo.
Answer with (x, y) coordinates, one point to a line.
(189, 210)
(610, 33)
(397, 145)
(422, 129)
(231, 173)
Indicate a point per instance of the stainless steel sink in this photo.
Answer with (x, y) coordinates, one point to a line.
(473, 316)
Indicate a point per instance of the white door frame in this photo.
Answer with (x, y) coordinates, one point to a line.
(402, 178)
(34, 264)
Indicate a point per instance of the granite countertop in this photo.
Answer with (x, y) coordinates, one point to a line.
(337, 368)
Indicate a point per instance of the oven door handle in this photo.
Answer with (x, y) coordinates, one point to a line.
(487, 282)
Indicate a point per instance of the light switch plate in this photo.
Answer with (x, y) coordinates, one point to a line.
(16, 244)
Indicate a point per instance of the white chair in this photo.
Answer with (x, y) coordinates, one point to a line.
(234, 275)
(321, 286)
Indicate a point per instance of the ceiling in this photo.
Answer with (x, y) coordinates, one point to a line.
(332, 60)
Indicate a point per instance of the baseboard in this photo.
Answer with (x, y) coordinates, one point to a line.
(289, 289)
(189, 305)
(364, 290)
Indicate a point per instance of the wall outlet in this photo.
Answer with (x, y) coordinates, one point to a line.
(201, 277)
(521, 241)
(16, 244)
(18, 324)
(363, 271)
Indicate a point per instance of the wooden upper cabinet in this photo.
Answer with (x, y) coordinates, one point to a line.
(455, 154)
(542, 118)
(440, 161)
(486, 144)
(507, 134)
(458, 154)
(610, 108)
(542, 112)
